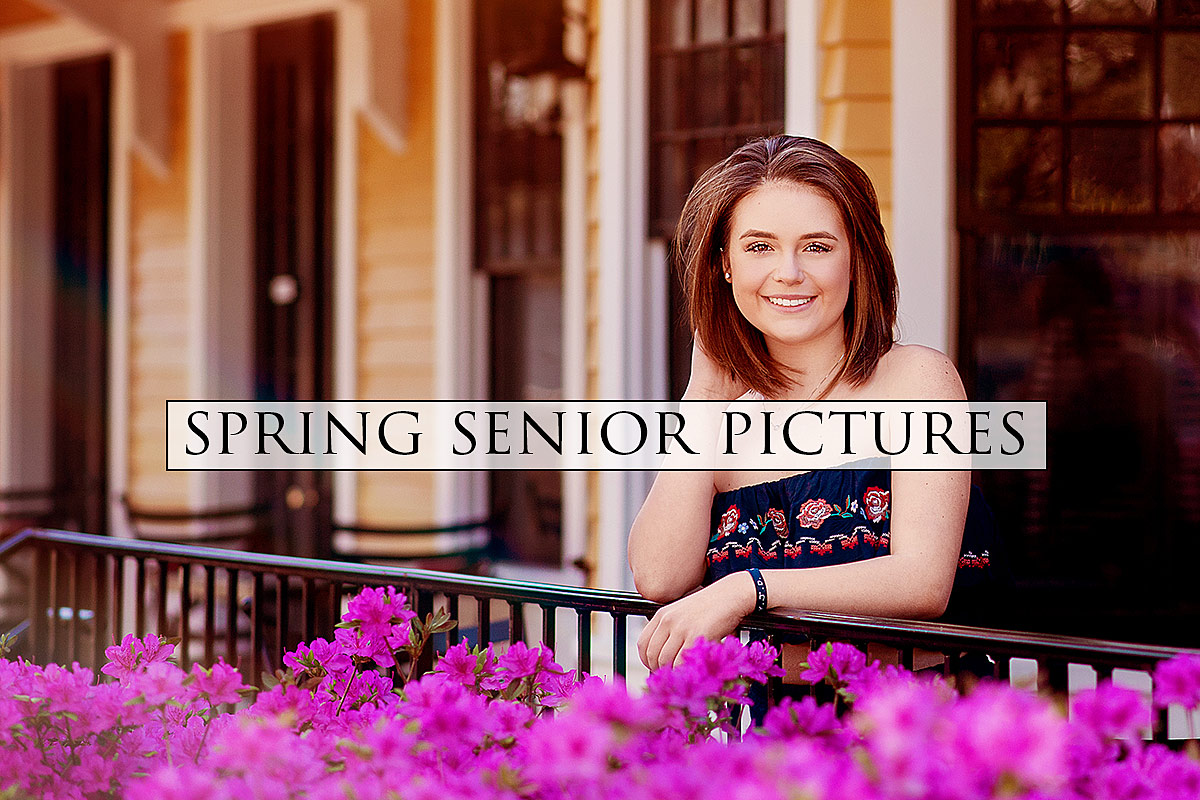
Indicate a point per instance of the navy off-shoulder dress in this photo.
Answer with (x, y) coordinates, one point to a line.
(838, 516)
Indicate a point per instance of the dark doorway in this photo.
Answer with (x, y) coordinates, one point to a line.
(1078, 150)
(518, 240)
(294, 255)
(80, 368)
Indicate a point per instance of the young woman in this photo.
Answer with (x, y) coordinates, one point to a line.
(792, 294)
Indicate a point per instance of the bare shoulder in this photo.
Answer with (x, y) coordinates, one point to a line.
(916, 372)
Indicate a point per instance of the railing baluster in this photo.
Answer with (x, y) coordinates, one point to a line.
(163, 572)
(308, 602)
(906, 658)
(52, 636)
(38, 601)
(99, 609)
(1003, 670)
(549, 626)
(516, 621)
(210, 614)
(282, 588)
(335, 606)
(75, 560)
(584, 634)
(423, 605)
(619, 634)
(454, 635)
(256, 626)
(139, 588)
(185, 622)
(485, 620)
(232, 656)
(117, 615)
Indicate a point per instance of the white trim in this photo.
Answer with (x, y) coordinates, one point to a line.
(47, 42)
(119, 274)
(618, 27)
(7, 388)
(802, 68)
(350, 70)
(574, 284)
(229, 14)
(923, 235)
(454, 330)
(198, 263)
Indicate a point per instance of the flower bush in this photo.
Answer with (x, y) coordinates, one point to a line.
(349, 718)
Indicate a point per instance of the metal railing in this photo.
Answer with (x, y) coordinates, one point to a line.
(85, 592)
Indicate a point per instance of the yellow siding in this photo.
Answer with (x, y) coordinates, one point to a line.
(592, 354)
(856, 93)
(395, 275)
(159, 304)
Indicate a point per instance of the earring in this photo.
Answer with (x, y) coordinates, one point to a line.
(728, 277)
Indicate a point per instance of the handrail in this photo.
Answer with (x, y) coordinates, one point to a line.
(883, 630)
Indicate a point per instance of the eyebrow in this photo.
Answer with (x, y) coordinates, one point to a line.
(756, 234)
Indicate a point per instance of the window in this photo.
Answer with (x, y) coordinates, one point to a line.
(716, 81)
(1079, 219)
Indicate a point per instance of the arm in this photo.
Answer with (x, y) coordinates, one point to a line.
(928, 513)
(670, 533)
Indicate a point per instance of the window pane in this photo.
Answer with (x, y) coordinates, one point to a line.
(1093, 11)
(774, 94)
(748, 83)
(667, 95)
(1180, 153)
(671, 185)
(1088, 317)
(1111, 170)
(709, 152)
(1181, 75)
(673, 22)
(778, 15)
(1019, 75)
(711, 20)
(1183, 10)
(1018, 11)
(711, 80)
(1018, 169)
(748, 17)
(1110, 74)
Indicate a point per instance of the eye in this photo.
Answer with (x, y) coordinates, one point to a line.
(757, 247)
(817, 247)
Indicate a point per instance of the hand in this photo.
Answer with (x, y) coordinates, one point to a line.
(710, 381)
(713, 612)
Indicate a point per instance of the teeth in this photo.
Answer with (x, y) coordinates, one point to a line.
(779, 301)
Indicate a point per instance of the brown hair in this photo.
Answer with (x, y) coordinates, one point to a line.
(870, 316)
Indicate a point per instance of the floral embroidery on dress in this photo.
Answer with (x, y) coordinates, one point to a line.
(972, 560)
(814, 513)
(779, 520)
(875, 503)
(728, 522)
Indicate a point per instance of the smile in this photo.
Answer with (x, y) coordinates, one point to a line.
(789, 302)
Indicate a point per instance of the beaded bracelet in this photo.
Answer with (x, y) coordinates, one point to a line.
(760, 589)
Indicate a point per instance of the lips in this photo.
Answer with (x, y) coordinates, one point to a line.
(788, 301)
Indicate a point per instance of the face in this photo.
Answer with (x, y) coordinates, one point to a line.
(789, 260)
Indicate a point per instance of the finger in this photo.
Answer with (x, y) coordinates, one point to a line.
(644, 639)
(654, 646)
(672, 649)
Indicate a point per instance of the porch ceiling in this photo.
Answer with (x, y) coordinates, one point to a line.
(14, 13)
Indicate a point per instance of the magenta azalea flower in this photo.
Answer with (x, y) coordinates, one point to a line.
(1177, 680)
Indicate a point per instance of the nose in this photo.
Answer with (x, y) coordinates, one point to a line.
(790, 269)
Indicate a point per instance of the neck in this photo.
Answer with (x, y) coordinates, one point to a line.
(812, 365)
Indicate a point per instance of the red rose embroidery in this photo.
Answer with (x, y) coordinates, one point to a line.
(729, 521)
(813, 513)
(875, 503)
(779, 521)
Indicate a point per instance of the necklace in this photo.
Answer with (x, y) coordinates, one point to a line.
(777, 424)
